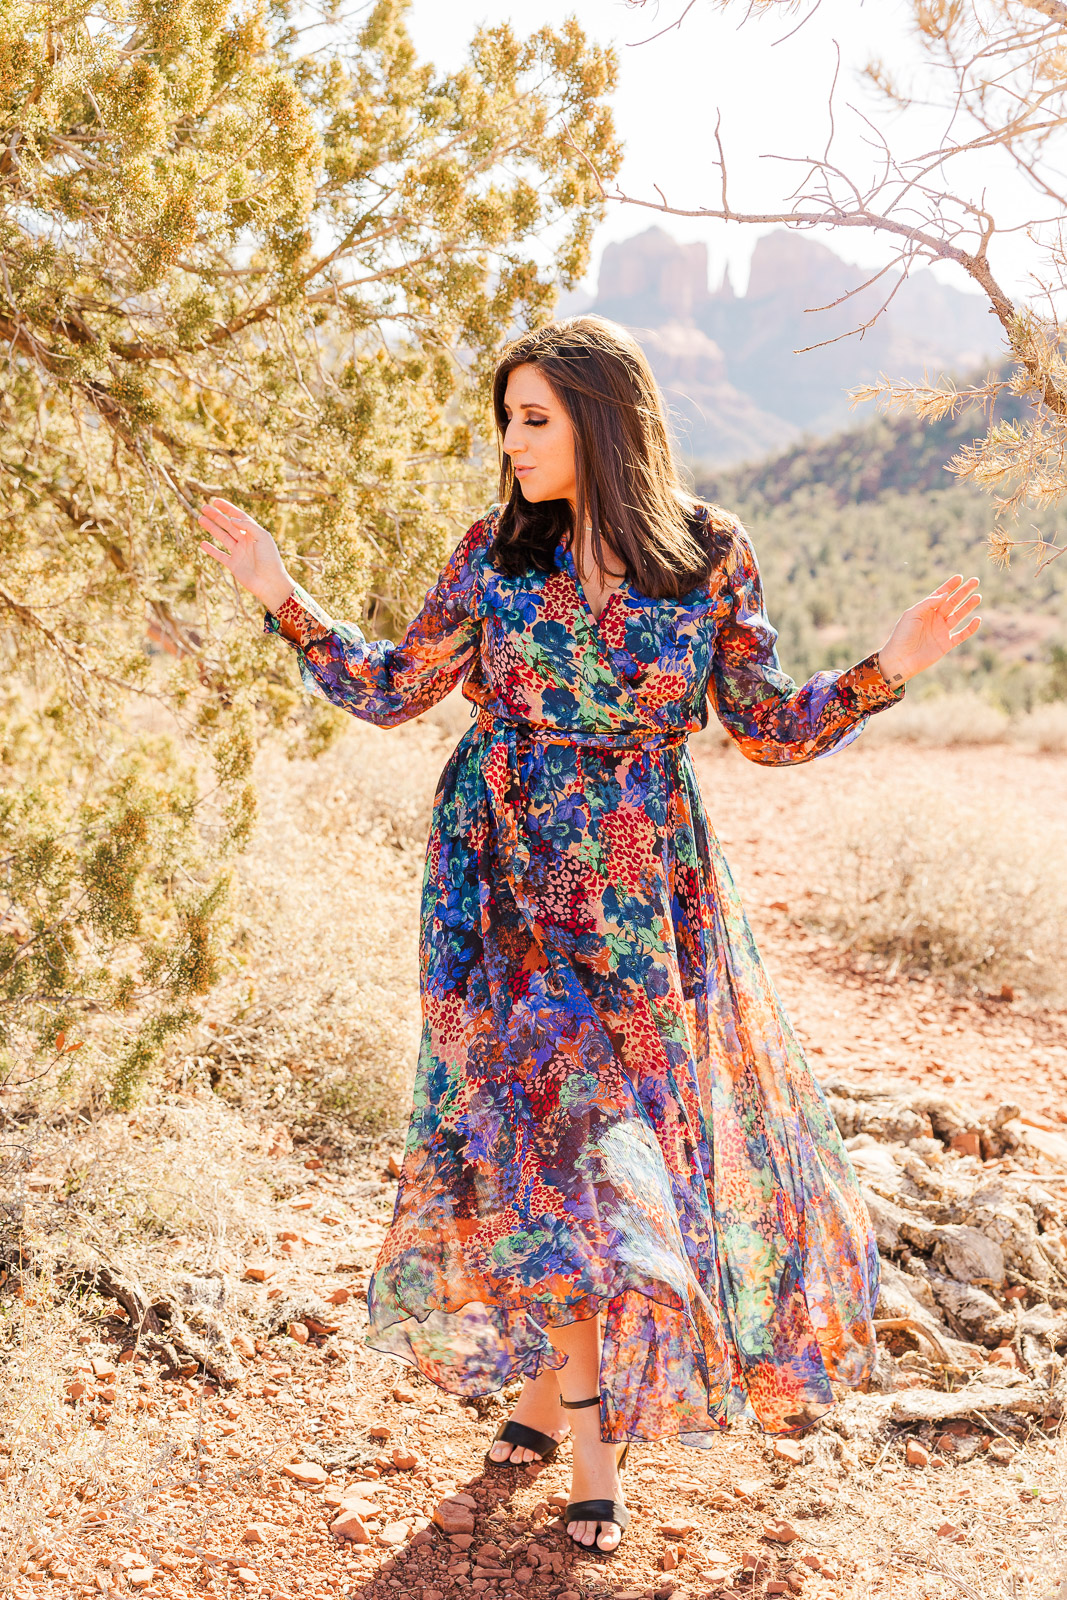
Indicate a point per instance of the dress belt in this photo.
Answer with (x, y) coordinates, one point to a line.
(627, 739)
(500, 772)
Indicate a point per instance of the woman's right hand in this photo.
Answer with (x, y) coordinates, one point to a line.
(248, 552)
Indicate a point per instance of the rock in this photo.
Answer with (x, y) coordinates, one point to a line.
(948, 1530)
(319, 1327)
(298, 1331)
(968, 1255)
(352, 1502)
(393, 1167)
(261, 1273)
(140, 1577)
(461, 1541)
(676, 1526)
(339, 1297)
(966, 1144)
(260, 1533)
(1000, 1450)
(790, 1451)
(350, 1525)
(404, 1393)
(243, 1345)
(394, 1533)
(453, 1517)
(668, 1561)
(380, 1430)
(829, 1571)
(916, 1454)
(246, 1575)
(104, 1371)
(1004, 1357)
(76, 1389)
(308, 1474)
(777, 1586)
(780, 1532)
(405, 1460)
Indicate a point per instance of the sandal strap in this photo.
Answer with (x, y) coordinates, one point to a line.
(579, 1405)
(598, 1511)
(527, 1438)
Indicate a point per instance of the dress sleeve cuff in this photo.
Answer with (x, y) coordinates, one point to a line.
(863, 688)
(299, 618)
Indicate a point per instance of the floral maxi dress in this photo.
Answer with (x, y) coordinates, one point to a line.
(611, 1111)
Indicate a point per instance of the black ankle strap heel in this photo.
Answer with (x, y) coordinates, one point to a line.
(598, 1511)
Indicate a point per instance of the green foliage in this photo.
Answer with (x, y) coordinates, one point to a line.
(231, 264)
(851, 530)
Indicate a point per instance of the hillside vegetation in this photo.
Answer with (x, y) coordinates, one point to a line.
(852, 529)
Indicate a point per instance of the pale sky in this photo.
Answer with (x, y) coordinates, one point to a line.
(773, 98)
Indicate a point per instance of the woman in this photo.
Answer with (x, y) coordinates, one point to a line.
(620, 1179)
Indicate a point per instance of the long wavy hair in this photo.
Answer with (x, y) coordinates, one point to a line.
(628, 489)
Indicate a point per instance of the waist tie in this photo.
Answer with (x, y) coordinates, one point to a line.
(500, 770)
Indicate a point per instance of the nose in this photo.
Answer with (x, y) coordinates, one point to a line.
(512, 444)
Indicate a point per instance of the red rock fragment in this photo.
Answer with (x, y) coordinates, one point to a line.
(405, 1460)
(781, 1532)
(308, 1474)
(916, 1454)
(451, 1516)
(777, 1586)
(260, 1274)
(392, 1166)
(350, 1525)
(298, 1331)
(966, 1144)
(259, 1533)
(380, 1430)
(790, 1451)
(668, 1561)
(394, 1533)
(461, 1541)
(339, 1297)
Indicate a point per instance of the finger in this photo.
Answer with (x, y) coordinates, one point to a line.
(972, 627)
(946, 587)
(211, 517)
(957, 613)
(221, 556)
(231, 517)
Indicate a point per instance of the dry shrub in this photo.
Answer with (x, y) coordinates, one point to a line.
(973, 891)
(1045, 729)
(324, 1011)
(962, 718)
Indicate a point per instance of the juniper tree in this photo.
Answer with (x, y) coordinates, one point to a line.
(236, 257)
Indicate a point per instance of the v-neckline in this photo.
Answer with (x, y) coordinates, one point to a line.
(568, 555)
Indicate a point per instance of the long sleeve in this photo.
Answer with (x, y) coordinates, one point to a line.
(770, 718)
(377, 680)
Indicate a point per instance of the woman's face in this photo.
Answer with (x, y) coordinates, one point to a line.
(539, 437)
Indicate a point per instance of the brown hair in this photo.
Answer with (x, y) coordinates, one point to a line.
(627, 481)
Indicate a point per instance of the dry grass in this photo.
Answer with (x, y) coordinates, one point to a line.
(946, 719)
(969, 890)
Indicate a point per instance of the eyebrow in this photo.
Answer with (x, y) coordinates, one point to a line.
(528, 405)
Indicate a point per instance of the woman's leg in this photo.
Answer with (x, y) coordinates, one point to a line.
(538, 1407)
(595, 1475)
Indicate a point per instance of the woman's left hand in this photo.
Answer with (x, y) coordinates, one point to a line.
(925, 632)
